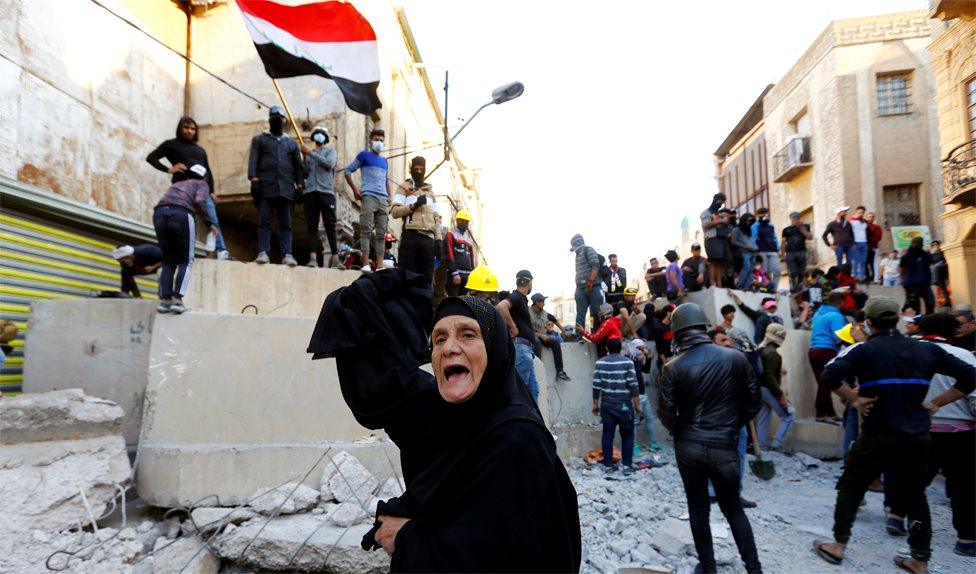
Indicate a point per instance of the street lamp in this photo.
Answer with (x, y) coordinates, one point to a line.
(499, 95)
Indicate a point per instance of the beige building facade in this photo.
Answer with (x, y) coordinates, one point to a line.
(954, 60)
(853, 122)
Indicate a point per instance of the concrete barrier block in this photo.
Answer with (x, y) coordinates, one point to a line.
(235, 404)
(98, 345)
(820, 440)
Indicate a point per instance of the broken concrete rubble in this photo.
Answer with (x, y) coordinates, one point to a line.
(210, 519)
(279, 546)
(58, 415)
(345, 479)
(347, 514)
(286, 499)
(77, 455)
(184, 556)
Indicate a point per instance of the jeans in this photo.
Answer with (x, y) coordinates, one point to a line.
(612, 415)
(741, 450)
(770, 405)
(824, 404)
(274, 207)
(645, 402)
(525, 366)
(892, 281)
(842, 252)
(852, 428)
(373, 220)
(914, 294)
(771, 266)
(417, 252)
(591, 301)
(745, 275)
(905, 456)
(860, 261)
(698, 464)
(212, 214)
(555, 345)
(176, 235)
(796, 264)
(322, 206)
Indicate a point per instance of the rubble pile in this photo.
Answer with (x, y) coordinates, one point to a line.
(640, 522)
(77, 456)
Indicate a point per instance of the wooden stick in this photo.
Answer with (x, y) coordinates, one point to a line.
(291, 118)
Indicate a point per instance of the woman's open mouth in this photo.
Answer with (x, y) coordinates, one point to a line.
(456, 373)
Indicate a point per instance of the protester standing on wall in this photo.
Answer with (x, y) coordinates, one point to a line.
(616, 280)
(276, 173)
(875, 233)
(587, 270)
(421, 237)
(319, 197)
(840, 232)
(715, 228)
(515, 311)
(794, 249)
(374, 193)
(459, 255)
(916, 277)
(764, 233)
(694, 269)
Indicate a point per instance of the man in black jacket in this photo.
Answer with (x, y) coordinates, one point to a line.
(275, 170)
(708, 393)
(894, 373)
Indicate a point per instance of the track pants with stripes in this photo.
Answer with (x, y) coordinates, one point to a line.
(175, 233)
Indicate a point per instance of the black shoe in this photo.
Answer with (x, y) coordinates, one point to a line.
(747, 503)
(895, 526)
(628, 470)
(562, 376)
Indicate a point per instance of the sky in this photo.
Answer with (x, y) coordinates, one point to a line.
(624, 104)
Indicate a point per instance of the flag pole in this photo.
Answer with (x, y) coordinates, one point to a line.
(291, 118)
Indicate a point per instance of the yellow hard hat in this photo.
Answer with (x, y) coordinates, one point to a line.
(482, 279)
(463, 215)
(630, 291)
(844, 334)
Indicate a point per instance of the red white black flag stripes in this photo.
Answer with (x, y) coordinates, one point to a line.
(329, 39)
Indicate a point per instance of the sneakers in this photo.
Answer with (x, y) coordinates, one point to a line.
(223, 255)
(562, 376)
(262, 259)
(177, 307)
(656, 447)
(628, 470)
(164, 308)
(313, 263)
(965, 549)
(289, 260)
(895, 526)
(366, 268)
(638, 452)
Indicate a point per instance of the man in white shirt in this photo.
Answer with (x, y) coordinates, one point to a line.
(859, 227)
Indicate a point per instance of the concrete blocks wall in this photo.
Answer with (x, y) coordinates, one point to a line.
(98, 345)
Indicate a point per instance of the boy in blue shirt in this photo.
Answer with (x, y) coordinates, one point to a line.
(374, 193)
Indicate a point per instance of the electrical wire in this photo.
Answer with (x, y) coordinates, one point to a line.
(181, 55)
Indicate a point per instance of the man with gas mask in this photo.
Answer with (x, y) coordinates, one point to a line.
(319, 198)
(421, 222)
(459, 255)
(374, 193)
(275, 170)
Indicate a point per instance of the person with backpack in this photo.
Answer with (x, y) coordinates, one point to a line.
(587, 272)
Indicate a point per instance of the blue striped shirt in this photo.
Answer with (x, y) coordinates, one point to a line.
(374, 168)
(614, 379)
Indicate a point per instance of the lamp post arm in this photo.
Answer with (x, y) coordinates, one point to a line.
(457, 133)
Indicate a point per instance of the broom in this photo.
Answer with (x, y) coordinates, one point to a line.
(764, 469)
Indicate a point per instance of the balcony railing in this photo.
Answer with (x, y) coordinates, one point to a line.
(959, 169)
(792, 159)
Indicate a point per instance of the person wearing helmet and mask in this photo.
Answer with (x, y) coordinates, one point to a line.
(459, 255)
(374, 193)
(482, 283)
(319, 198)
(276, 173)
(421, 222)
(708, 393)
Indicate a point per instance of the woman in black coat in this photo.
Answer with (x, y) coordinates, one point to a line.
(486, 491)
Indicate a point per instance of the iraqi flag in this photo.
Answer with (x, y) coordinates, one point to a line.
(329, 39)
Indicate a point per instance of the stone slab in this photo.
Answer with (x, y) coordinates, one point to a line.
(58, 415)
(98, 345)
(820, 440)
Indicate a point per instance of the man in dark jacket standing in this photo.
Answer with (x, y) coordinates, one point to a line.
(894, 373)
(275, 169)
(842, 235)
(916, 277)
(708, 393)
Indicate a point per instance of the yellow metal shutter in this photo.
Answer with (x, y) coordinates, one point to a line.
(44, 260)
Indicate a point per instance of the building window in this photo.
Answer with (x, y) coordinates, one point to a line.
(901, 205)
(894, 94)
(971, 101)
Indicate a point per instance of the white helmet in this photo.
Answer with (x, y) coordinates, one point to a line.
(321, 130)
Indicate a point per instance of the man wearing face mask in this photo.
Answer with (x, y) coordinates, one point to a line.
(459, 254)
(764, 235)
(275, 170)
(374, 193)
(421, 223)
(716, 229)
(319, 195)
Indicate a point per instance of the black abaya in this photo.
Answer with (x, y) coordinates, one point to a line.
(485, 490)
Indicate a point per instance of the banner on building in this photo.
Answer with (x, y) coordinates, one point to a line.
(329, 39)
(901, 237)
